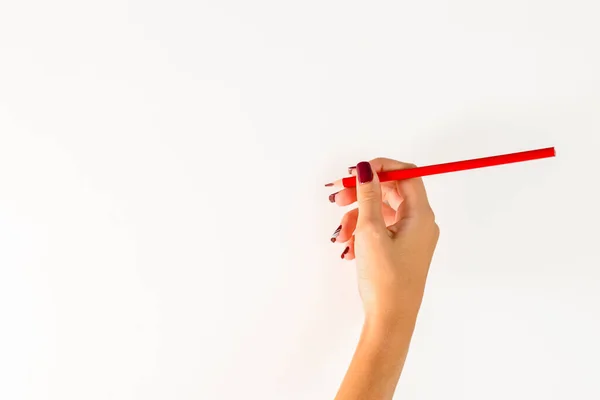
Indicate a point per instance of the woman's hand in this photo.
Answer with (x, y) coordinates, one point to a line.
(392, 234)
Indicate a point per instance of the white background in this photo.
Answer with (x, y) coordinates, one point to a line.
(164, 232)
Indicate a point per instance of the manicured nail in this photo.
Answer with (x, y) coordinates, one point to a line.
(328, 184)
(336, 234)
(350, 169)
(364, 172)
(345, 251)
(332, 197)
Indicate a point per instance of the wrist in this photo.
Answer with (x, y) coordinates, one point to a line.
(390, 324)
(393, 311)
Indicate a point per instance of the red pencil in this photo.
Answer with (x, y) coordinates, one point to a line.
(453, 166)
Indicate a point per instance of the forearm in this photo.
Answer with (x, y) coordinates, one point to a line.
(378, 359)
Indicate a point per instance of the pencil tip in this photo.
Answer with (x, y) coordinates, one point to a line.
(329, 184)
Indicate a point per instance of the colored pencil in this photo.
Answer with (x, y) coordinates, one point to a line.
(396, 175)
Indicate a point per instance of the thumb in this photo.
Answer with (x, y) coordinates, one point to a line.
(368, 193)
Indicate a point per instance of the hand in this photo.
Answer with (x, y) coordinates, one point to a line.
(392, 234)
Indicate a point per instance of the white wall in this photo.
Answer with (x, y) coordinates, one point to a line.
(133, 265)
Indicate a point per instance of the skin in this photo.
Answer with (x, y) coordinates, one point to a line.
(392, 236)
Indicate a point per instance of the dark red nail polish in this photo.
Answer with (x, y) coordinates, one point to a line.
(350, 169)
(346, 250)
(336, 234)
(332, 197)
(328, 184)
(364, 172)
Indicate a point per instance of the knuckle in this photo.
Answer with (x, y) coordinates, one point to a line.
(435, 237)
(369, 197)
(430, 225)
(389, 163)
(379, 161)
(428, 215)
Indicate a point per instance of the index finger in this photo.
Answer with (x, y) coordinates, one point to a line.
(412, 190)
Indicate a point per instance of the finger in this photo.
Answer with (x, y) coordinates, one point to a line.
(425, 218)
(389, 214)
(368, 193)
(389, 195)
(346, 228)
(411, 192)
(389, 191)
(348, 253)
(347, 196)
(344, 197)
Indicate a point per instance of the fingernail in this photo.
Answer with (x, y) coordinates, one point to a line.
(364, 172)
(328, 184)
(350, 169)
(332, 197)
(336, 234)
(346, 250)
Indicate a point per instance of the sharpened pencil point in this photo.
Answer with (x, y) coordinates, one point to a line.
(329, 184)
